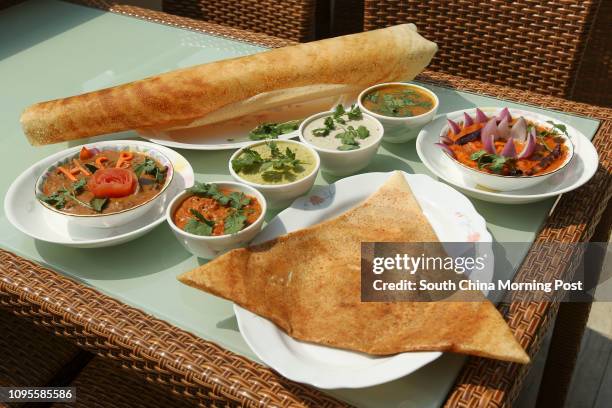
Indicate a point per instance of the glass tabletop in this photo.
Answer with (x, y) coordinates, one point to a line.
(52, 49)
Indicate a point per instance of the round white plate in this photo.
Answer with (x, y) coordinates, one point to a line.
(23, 210)
(227, 141)
(580, 169)
(453, 218)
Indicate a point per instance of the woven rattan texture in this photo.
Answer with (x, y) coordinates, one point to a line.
(30, 356)
(594, 81)
(289, 19)
(527, 44)
(104, 383)
(188, 23)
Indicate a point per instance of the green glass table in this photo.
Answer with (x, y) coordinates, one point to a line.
(81, 49)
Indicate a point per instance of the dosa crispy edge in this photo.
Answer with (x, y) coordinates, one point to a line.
(227, 89)
(308, 283)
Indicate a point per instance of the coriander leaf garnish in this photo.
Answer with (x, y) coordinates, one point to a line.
(350, 134)
(280, 165)
(373, 97)
(210, 191)
(354, 113)
(57, 199)
(201, 217)
(339, 111)
(363, 132)
(320, 132)
(239, 200)
(79, 185)
(493, 162)
(269, 130)
(149, 167)
(558, 126)
(248, 161)
(98, 204)
(198, 228)
(234, 223)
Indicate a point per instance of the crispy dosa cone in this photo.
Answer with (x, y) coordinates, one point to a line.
(231, 88)
(308, 283)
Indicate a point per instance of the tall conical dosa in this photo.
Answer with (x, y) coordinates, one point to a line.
(308, 283)
(232, 88)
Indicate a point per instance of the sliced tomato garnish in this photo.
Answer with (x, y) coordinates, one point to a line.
(112, 183)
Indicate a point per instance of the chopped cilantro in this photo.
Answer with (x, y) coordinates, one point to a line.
(234, 223)
(239, 200)
(270, 130)
(198, 228)
(558, 126)
(248, 161)
(98, 204)
(209, 190)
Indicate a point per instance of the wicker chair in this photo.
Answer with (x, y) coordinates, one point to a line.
(289, 19)
(31, 356)
(104, 383)
(526, 44)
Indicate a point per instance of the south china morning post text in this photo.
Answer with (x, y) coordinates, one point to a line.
(432, 272)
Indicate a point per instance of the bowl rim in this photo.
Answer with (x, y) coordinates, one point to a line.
(567, 142)
(400, 118)
(76, 152)
(185, 194)
(274, 186)
(309, 119)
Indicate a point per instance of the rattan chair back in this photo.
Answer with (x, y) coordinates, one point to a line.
(289, 19)
(534, 45)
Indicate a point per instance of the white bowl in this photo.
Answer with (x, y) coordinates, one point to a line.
(500, 182)
(344, 163)
(404, 129)
(280, 195)
(209, 247)
(109, 220)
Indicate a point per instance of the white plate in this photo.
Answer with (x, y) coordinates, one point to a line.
(580, 169)
(331, 368)
(23, 210)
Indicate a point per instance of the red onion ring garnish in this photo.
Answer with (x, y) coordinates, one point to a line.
(487, 136)
(454, 127)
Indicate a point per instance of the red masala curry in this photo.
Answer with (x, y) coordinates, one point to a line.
(103, 182)
(398, 101)
(213, 211)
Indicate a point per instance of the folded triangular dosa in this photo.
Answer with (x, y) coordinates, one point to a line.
(308, 283)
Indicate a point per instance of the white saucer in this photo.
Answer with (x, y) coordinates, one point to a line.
(332, 368)
(23, 210)
(579, 170)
